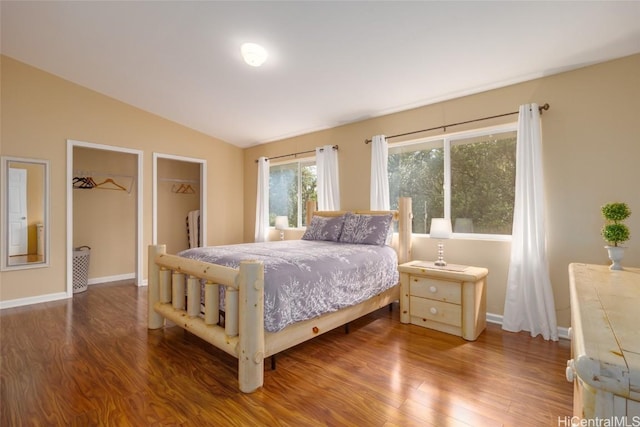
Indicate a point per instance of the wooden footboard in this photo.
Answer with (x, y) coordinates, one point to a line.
(242, 336)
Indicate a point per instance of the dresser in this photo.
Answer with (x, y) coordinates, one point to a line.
(605, 343)
(450, 299)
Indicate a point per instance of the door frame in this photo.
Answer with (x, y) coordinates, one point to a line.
(203, 194)
(71, 144)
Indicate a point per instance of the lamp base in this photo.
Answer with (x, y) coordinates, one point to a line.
(440, 262)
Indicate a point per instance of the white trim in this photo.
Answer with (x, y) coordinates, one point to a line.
(71, 144)
(114, 278)
(203, 194)
(19, 302)
(497, 319)
(309, 159)
(505, 127)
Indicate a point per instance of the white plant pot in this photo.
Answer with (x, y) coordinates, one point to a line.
(616, 253)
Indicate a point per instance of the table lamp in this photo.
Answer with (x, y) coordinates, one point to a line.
(282, 222)
(440, 229)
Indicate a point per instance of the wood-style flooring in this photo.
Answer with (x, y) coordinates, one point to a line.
(90, 361)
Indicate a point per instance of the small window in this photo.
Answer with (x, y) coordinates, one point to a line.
(291, 185)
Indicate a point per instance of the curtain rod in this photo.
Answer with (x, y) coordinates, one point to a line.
(444, 127)
(335, 147)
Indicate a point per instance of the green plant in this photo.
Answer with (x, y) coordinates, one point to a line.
(614, 231)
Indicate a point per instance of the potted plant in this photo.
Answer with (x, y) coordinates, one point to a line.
(615, 232)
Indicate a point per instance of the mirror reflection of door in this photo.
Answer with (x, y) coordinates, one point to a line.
(24, 229)
(17, 211)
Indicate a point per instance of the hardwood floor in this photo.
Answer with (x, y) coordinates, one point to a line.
(90, 361)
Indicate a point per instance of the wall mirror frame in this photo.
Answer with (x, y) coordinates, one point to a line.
(25, 228)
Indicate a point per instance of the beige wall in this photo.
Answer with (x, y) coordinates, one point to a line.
(591, 144)
(39, 112)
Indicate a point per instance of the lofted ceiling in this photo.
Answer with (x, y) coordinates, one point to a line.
(330, 63)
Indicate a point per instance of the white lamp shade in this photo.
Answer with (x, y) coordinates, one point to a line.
(463, 225)
(282, 222)
(440, 228)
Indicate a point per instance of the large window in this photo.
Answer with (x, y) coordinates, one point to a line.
(291, 185)
(468, 177)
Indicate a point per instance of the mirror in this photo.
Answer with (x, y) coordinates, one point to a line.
(25, 213)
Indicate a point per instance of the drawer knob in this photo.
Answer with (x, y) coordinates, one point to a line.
(433, 289)
(433, 310)
(570, 372)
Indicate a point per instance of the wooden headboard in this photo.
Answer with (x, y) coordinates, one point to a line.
(403, 216)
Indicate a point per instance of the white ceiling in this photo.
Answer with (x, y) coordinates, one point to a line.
(330, 63)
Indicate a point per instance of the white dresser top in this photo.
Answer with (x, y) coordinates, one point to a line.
(605, 317)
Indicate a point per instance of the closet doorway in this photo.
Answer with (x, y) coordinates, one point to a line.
(104, 211)
(179, 202)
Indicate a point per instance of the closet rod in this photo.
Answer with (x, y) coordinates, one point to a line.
(444, 127)
(188, 181)
(335, 147)
(81, 172)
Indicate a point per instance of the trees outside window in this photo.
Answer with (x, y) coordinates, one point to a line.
(291, 185)
(468, 177)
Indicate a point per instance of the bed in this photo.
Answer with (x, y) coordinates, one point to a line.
(248, 332)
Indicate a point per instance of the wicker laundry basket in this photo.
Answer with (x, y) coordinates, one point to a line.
(81, 268)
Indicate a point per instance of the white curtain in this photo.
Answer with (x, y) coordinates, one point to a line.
(327, 186)
(262, 201)
(379, 196)
(529, 304)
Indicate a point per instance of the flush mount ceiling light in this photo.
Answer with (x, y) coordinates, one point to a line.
(253, 54)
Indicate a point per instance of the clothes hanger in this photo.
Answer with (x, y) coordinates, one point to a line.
(83, 182)
(178, 190)
(111, 181)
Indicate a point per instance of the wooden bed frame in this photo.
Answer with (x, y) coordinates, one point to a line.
(243, 335)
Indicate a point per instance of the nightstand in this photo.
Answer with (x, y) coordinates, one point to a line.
(451, 299)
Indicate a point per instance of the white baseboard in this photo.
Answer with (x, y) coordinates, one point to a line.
(18, 302)
(62, 295)
(497, 319)
(106, 279)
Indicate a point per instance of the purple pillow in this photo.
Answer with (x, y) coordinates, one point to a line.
(324, 228)
(366, 229)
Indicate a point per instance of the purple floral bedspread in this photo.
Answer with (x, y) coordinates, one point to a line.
(304, 279)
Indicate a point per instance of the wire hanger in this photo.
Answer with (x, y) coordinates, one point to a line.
(85, 182)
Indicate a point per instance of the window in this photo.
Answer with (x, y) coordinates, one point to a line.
(291, 185)
(468, 177)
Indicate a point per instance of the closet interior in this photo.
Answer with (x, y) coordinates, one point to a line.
(104, 211)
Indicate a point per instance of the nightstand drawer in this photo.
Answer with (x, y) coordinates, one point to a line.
(436, 311)
(440, 290)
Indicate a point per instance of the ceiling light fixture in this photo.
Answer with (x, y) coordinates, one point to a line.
(253, 54)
